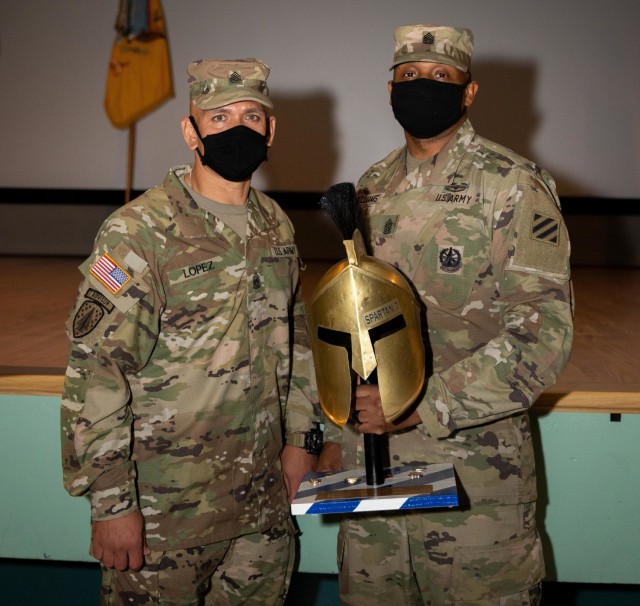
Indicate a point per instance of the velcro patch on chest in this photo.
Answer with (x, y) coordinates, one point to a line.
(289, 250)
(383, 225)
(367, 199)
(193, 270)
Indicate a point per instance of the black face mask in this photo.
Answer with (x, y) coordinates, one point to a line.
(234, 154)
(425, 108)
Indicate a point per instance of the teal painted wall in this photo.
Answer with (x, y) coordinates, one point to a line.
(589, 483)
(38, 519)
(589, 495)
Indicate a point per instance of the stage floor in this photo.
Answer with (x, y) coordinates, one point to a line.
(602, 375)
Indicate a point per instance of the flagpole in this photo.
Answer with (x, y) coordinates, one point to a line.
(130, 156)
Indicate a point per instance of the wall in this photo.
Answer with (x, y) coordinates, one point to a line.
(69, 229)
(558, 83)
(587, 505)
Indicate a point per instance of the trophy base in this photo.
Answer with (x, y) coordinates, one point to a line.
(406, 487)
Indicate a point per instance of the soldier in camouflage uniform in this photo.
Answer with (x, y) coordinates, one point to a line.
(477, 230)
(189, 360)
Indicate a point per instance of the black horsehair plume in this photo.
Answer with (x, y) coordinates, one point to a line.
(341, 204)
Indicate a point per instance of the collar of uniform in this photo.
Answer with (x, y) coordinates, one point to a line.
(262, 213)
(188, 218)
(445, 164)
(460, 142)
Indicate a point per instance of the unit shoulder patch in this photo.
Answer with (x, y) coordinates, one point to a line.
(541, 243)
(545, 229)
(90, 313)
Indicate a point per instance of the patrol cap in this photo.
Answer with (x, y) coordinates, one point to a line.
(214, 83)
(435, 44)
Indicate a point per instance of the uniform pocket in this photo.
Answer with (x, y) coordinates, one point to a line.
(451, 263)
(488, 571)
(488, 461)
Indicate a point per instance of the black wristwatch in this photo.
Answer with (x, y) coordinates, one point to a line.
(311, 440)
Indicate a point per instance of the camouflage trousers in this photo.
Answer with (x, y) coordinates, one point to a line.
(490, 555)
(253, 569)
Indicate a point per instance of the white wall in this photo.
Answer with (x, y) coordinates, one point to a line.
(559, 83)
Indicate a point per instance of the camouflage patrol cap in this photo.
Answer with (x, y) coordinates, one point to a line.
(214, 83)
(435, 44)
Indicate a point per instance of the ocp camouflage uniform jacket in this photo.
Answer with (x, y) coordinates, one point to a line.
(478, 232)
(177, 382)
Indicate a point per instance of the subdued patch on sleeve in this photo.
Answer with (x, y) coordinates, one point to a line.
(542, 242)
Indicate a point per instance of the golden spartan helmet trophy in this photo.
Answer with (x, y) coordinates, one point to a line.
(364, 320)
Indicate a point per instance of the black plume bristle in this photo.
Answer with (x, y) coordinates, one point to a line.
(341, 204)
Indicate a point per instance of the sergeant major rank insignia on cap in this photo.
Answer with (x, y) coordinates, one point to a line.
(428, 38)
(235, 78)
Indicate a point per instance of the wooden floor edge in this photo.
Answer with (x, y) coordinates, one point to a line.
(627, 402)
(31, 385)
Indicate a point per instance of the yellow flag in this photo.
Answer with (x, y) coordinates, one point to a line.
(139, 78)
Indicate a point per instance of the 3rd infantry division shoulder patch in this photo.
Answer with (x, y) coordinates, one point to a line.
(545, 229)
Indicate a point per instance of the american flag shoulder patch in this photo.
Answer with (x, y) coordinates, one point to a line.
(109, 273)
(545, 229)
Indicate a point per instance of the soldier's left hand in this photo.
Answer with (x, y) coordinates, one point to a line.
(296, 463)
